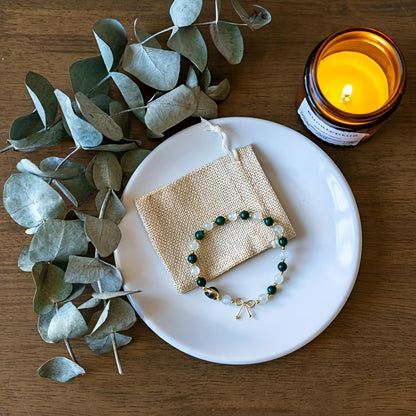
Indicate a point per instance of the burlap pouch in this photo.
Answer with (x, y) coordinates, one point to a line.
(173, 213)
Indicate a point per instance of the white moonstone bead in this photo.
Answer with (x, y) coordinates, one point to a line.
(284, 254)
(232, 216)
(208, 226)
(279, 279)
(195, 270)
(257, 217)
(275, 243)
(278, 229)
(193, 245)
(263, 298)
(226, 299)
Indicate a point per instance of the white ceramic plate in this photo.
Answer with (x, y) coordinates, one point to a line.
(323, 263)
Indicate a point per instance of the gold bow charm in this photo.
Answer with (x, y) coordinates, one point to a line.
(247, 305)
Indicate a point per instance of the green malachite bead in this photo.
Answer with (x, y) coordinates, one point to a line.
(244, 215)
(282, 241)
(192, 258)
(220, 220)
(201, 282)
(271, 290)
(268, 221)
(282, 266)
(199, 235)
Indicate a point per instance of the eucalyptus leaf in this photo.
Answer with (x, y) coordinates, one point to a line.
(88, 172)
(219, 92)
(102, 101)
(51, 287)
(41, 92)
(191, 78)
(111, 38)
(83, 133)
(41, 139)
(157, 68)
(29, 200)
(120, 116)
(142, 36)
(189, 42)
(56, 240)
(130, 92)
(114, 210)
(110, 282)
(228, 40)
(89, 308)
(244, 16)
(77, 189)
(117, 316)
(60, 369)
(103, 233)
(207, 108)
(32, 230)
(25, 165)
(88, 270)
(24, 263)
(205, 79)
(107, 171)
(105, 345)
(77, 290)
(67, 323)
(43, 324)
(117, 148)
(111, 295)
(89, 76)
(25, 126)
(257, 20)
(171, 108)
(185, 12)
(131, 160)
(98, 118)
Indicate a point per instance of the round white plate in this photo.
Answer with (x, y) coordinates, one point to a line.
(322, 266)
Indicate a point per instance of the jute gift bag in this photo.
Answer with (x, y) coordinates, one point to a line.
(230, 184)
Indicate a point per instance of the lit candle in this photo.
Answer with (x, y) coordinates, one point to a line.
(353, 81)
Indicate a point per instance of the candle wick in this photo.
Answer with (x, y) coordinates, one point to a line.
(346, 94)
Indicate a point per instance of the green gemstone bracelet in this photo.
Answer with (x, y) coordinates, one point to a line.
(279, 241)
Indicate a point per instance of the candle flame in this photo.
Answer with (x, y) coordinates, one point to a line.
(346, 94)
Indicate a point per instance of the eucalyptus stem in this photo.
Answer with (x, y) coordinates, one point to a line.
(70, 351)
(157, 34)
(6, 148)
(116, 356)
(104, 204)
(68, 345)
(100, 287)
(108, 76)
(67, 157)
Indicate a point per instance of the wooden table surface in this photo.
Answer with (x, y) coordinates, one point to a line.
(364, 363)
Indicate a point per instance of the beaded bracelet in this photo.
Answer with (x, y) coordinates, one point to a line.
(212, 292)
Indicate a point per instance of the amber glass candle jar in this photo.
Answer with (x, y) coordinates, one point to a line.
(353, 81)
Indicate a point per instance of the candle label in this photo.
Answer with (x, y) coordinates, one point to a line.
(326, 132)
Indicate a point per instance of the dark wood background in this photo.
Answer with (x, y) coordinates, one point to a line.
(363, 364)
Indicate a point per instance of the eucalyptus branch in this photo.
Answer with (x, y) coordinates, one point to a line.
(29, 195)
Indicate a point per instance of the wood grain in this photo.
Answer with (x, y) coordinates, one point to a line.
(363, 363)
